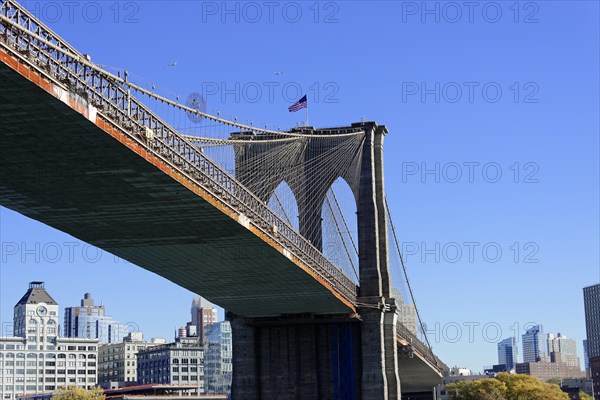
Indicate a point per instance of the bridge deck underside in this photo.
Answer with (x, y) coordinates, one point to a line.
(61, 169)
(416, 374)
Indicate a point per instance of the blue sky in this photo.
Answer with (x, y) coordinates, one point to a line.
(498, 102)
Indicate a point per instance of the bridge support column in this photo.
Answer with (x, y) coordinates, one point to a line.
(374, 382)
(245, 354)
(390, 321)
(300, 358)
(380, 380)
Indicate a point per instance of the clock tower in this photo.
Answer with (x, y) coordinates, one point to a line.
(36, 316)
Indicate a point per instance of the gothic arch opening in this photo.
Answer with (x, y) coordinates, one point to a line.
(284, 203)
(340, 228)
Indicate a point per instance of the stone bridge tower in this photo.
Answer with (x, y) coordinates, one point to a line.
(324, 356)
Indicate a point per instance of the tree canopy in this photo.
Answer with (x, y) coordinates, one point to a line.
(78, 393)
(506, 387)
(585, 396)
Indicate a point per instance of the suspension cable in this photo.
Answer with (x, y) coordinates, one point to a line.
(406, 276)
(285, 214)
(226, 142)
(342, 236)
(344, 220)
(82, 60)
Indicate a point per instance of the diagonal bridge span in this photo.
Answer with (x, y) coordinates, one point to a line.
(73, 157)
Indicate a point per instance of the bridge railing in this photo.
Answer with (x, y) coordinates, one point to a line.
(25, 37)
(404, 334)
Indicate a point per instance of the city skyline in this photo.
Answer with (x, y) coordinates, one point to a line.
(132, 326)
(542, 214)
(544, 336)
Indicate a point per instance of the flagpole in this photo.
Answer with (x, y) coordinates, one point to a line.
(307, 114)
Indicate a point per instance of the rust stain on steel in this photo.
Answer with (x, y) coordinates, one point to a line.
(107, 127)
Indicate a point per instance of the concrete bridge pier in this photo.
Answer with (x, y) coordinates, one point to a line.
(380, 378)
(299, 358)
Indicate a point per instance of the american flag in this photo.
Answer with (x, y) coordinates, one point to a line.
(300, 104)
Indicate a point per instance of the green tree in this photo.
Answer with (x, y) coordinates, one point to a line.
(481, 389)
(506, 387)
(585, 396)
(525, 387)
(78, 393)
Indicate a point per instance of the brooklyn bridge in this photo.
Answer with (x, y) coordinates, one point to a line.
(313, 281)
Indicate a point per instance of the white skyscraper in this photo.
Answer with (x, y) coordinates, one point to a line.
(204, 313)
(563, 349)
(90, 321)
(407, 313)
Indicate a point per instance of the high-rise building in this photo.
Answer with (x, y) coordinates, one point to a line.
(218, 365)
(117, 362)
(591, 300)
(36, 359)
(177, 363)
(204, 313)
(586, 357)
(563, 349)
(407, 313)
(91, 321)
(35, 308)
(535, 345)
(507, 353)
